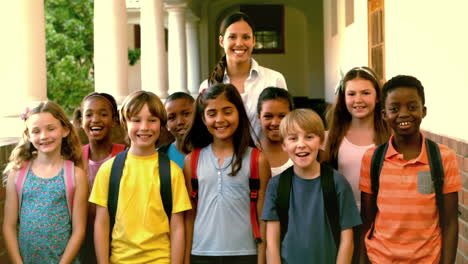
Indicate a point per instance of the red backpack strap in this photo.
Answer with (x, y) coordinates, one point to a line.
(194, 181)
(20, 179)
(116, 149)
(69, 178)
(254, 184)
(86, 153)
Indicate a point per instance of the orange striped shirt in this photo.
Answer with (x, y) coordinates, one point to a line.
(406, 227)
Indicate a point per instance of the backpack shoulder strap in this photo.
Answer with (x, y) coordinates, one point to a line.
(437, 175)
(284, 192)
(330, 200)
(69, 179)
(114, 185)
(86, 153)
(376, 167)
(254, 185)
(193, 168)
(165, 183)
(20, 179)
(116, 149)
(164, 148)
(378, 158)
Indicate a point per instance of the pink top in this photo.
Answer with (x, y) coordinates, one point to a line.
(93, 167)
(349, 164)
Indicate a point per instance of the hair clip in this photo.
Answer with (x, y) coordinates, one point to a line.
(24, 115)
(339, 85)
(203, 90)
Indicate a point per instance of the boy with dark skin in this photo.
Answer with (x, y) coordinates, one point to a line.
(415, 235)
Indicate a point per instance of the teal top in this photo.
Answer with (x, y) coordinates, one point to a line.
(44, 220)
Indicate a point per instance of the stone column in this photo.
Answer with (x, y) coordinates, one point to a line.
(153, 48)
(193, 55)
(110, 48)
(177, 48)
(23, 66)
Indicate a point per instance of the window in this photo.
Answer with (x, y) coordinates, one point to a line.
(269, 26)
(376, 40)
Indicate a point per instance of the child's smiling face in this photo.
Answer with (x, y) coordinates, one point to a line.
(404, 111)
(98, 119)
(179, 116)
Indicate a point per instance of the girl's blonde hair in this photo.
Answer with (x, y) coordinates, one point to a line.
(25, 150)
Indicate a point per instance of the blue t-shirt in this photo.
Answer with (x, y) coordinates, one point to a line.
(176, 156)
(309, 238)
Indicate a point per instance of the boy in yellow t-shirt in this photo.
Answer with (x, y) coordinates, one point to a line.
(142, 232)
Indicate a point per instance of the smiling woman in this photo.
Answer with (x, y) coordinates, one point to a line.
(237, 38)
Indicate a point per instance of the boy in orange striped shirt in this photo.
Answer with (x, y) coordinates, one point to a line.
(406, 226)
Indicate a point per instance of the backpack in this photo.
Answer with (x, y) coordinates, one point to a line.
(68, 177)
(254, 185)
(114, 185)
(116, 148)
(165, 148)
(330, 200)
(437, 175)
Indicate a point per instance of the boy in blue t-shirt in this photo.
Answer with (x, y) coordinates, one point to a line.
(179, 108)
(308, 238)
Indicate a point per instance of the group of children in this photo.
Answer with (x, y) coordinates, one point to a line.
(215, 201)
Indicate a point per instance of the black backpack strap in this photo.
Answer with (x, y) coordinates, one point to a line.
(284, 192)
(376, 167)
(164, 148)
(165, 183)
(437, 175)
(330, 201)
(114, 185)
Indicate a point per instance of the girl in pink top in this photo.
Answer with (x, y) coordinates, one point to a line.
(100, 116)
(355, 124)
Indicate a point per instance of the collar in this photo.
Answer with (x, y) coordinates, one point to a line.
(254, 70)
(422, 158)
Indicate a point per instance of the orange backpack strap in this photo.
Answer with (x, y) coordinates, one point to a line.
(19, 181)
(254, 184)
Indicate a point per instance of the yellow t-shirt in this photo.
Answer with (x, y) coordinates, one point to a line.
(141, 229)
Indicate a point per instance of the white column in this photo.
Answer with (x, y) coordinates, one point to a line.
(177, 48)
(193, 55)
(110, 48)
(23, 67)
(153, 48)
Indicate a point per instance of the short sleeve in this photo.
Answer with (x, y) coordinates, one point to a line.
(180, 198)
(281, 82)
(270, 212)
(365, 179)
(100, 189)
(349, 214)
(452, 180)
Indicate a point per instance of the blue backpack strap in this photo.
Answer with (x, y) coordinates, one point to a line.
(376, 167)
(330, 201)
(437, 175)
(114, 185)
(165, 183)
(284, 192)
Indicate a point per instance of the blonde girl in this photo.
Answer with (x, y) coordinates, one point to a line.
(42, 226)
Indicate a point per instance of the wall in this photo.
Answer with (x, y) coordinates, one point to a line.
(428, 39)
(346, 49)
(292, 63)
